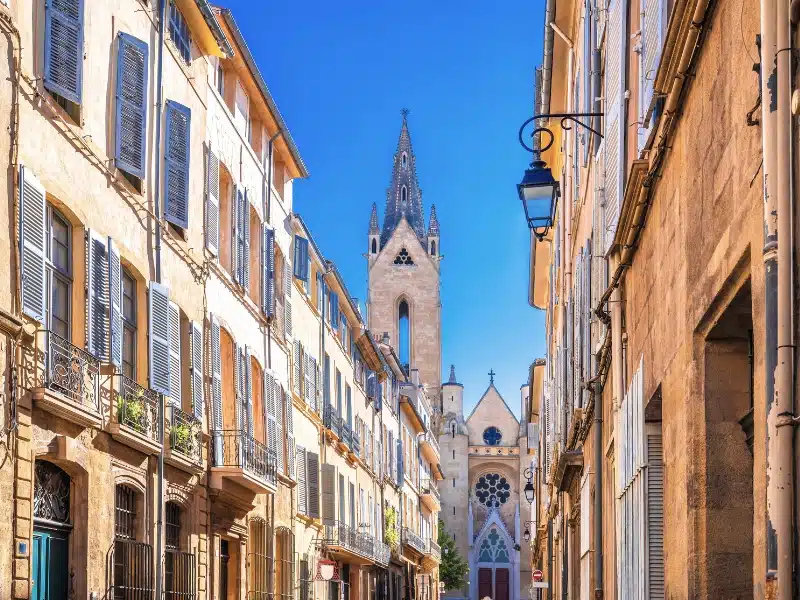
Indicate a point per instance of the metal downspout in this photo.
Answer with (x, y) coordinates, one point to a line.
(550, 559)
(157, 209)
(547, 55)
(779, 417)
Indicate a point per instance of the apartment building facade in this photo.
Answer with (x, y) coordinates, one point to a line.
(653, 408)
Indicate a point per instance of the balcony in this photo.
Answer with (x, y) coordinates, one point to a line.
(134, 416)
(430, 447)
(70, 382)
(382, 554)
(432, 556)
(411, 404)
(238, 457)
(355, 446)
(185, 435)
(346, 440)
(434, 550)
(349, 544)
(429, 494)
(332, 421)
(413, 541)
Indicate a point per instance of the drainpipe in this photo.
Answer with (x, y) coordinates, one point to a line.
(547, 55)
(596, 85)
(598, 489)
(769, 252)
(780, 414)
(157, 206)
(550, 559)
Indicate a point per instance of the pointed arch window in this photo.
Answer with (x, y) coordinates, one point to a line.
(403, 195)
(405, 160)
(404, 330)
(433, 248)
(493, 549)
(374, 246)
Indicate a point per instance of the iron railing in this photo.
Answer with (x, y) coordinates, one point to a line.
(233, 448)
(137, 407)
(133, 577)
(412, 539)
(434, 550)
(428, 486)
(332, 420)
(72, 372)
(356, 445)
(180, 575)
(382, 553)
(185, 434)
(339, 533)
(347, 435)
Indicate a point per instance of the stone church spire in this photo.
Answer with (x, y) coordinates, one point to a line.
(403, 198)
(433, 223)
(373, 220)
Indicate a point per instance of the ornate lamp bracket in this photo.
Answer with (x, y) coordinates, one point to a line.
(566, 122)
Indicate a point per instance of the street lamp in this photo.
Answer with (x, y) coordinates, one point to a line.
(538, 190)
(527, 534)
(529, 491)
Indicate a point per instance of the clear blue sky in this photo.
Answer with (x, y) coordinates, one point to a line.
(341, 72)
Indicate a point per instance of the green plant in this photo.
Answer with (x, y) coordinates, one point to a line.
(391, 532)
(453, 567)
(130, 409)
(181, 433)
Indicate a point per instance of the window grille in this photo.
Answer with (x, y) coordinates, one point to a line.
(125, 522)
(284, 564)
(259, 560)
(173, 526)
(132, 561)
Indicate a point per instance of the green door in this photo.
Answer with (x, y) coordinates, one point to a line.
(50, 568)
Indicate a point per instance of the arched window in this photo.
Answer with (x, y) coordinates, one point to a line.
(492, 490)
(179, 567)
(404, 330)
(403, 195)
(493, 549)
(374, 246)
(433, 248)
(492, 436)
(259, 558)
(133, 560)
(284, 563)
(405, 160)
(51, 525)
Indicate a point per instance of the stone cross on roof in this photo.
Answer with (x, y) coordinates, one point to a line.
(491, 376)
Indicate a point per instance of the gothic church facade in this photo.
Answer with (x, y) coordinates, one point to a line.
(484, 455)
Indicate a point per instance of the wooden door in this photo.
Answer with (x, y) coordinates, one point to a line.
(50, 565)
(484, 583)
(501, 584)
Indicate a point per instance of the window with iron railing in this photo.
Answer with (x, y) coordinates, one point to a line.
(59, 271)
(259, 559)
(129, 325)
(284, 564)
(179, 567)
(132, 561)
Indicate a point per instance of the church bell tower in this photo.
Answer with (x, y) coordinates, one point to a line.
(403, 271)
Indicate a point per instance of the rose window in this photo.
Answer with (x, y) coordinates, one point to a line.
(492, 490)
(492, 436)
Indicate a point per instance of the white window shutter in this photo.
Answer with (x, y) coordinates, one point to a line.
(248, 391)
(175, 354)
(236, 252)
(196, 333)
(115, 302)
(246, 241)
(97, 309)
(279, 405)
(653, 27)
(312, 485)
(296, 367)
(309, 374)
(32, 240)
(287, 286)
(216, 388)
(655, 517)
(302, 489)
(212, 203)
(616, 43)
(159, 338)
(268, 271)
(328, 493)
(241, 403)
(290, 441)
(271, 391)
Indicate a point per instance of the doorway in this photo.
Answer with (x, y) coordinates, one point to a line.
(51, 532)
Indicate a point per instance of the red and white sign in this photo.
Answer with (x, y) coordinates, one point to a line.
(538, 575)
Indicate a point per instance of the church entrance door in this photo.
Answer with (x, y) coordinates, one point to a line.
(484, 583)
(501, 587)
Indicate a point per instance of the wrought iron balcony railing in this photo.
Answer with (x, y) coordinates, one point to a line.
(185, 434)
(332, 420)
(72, 372)
(434, 549)
(428, 486)
(347, 434)
(234, 448)
(412, 539)
(382, 553)
(136, 407)
(342, 535)
(356, 443)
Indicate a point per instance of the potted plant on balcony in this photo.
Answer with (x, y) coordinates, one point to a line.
(391, 533)
(182, 438)
(131, 410)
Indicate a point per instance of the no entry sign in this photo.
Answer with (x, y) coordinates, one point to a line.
(538, 575)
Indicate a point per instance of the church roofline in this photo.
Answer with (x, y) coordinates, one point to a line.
(478, 403)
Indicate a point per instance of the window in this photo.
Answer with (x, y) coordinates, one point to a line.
(374, 246)
(59, 270)
(284, 564)
(492, 490)
(173, 526)
(63, 53)
(339, 392)
(492, 436)
(259, 559)
(405, 333)
(241, 113)
(220, 79)
(403, 195)
(179, 33)
(405, 160)
(128, 325)
(403, 258)
(179, 567)
(433, 248)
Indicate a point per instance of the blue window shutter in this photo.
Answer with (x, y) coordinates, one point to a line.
(334, 310)
(301, 258)
(159, 336)
(97, 300)
(32, 228)
(268, 271)
(399, 462)
(63, 48)
(176, 164)
(115, 302)
(196, 332)
(131, 117)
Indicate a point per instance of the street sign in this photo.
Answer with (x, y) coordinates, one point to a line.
(540, 584)
(538, 575)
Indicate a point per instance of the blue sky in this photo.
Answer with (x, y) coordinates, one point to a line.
(341, 72)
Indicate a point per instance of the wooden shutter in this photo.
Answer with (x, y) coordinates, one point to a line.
(653, 26)
(176, 164)
(115, 303)
(236, 251)
(175, 353)
(301, 258)
(655, 517)
(312, 478)
(328, 493)
(97, 277)
(63, 48)
(131, 105)
(268, 271)
(302, 486)
(246, 241)
(216, 388)
(309, 374)
(281, 455)
(159, 336)
(616, 44)
(196, 332)
(290, 442)
(32, 240)
(287, 287)
(296, 367)
(399, 462)
(212, 202)
(238, 375)
(270, 392)
(248, 391)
